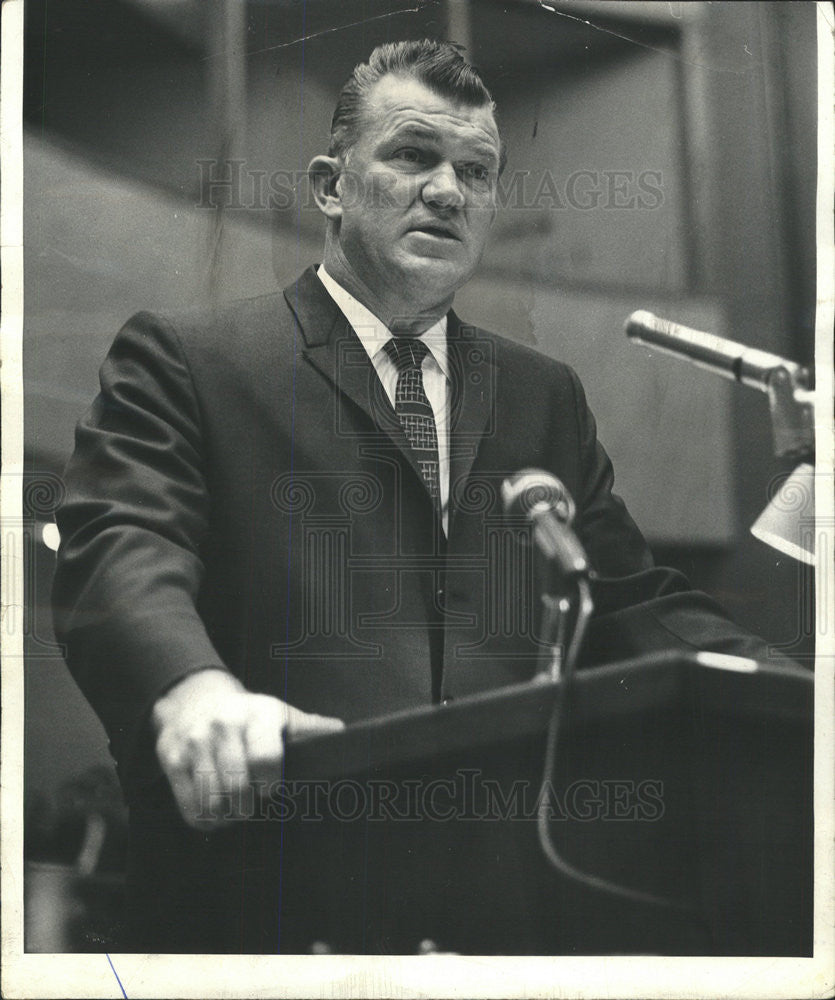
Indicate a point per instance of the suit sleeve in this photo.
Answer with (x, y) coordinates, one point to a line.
(640, 608)
(129, 567)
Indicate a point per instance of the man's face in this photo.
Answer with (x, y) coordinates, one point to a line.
(418, 192)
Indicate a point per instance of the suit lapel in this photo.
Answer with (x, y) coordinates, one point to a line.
(334, 349)
(472, 402)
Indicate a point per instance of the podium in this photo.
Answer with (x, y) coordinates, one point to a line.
(674, 776)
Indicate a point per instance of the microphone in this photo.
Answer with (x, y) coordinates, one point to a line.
(786, 383)
(543, 500)
(735, 361)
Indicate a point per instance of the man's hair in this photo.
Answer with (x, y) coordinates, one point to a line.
(437, 65)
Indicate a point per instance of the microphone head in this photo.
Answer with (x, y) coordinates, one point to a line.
(641, 323)
(533, 490)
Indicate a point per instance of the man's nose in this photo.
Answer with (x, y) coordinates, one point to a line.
(443, 189)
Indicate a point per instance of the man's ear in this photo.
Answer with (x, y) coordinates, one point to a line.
(324, 173)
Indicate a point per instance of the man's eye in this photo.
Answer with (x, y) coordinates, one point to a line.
(409, 154)
(476, 172)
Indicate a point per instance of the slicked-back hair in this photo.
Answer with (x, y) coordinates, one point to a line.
(437, 65)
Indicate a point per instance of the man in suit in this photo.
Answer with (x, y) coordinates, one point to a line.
(284, 516)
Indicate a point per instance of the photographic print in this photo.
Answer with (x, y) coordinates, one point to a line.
(417, 538)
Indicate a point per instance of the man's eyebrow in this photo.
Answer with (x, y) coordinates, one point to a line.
(412, 129)
(420, 131)
(486, 150)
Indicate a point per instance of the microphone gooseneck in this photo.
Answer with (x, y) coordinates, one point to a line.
(540, 498)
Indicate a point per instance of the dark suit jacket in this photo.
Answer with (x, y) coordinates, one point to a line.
(242, 495)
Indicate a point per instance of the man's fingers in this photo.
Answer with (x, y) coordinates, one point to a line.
(182, 787)
(177, 767)
(231, 761)
(207, 806)
(270, 723)
(263, 737)
(194, 786)
(212, 748)
(329, 724)
(300, 724)
(206, 776)
(233, 774)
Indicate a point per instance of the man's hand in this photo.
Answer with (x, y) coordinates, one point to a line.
(213, 737)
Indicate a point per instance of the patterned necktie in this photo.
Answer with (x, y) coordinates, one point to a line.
(413, 408)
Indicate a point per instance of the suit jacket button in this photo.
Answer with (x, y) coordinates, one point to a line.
(448, 700)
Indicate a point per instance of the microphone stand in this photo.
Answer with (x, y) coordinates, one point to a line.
(566, 599)
(786, 383)
(791, 403)
(564, 585)
(558, 657)
(554, 626)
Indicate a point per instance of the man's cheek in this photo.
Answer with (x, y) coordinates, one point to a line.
(390, 191)
(482, 219)
(485, 205)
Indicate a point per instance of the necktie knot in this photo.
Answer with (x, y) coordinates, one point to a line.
(406, 352)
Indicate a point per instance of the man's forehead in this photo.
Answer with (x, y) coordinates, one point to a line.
(401, 101)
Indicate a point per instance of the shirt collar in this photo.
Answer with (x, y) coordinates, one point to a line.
(373, 333)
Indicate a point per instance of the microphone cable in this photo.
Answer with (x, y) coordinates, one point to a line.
(556, 725)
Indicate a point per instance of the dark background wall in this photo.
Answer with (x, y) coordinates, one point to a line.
(661, 156)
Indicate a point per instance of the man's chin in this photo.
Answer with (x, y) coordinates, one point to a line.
(448, 267)
(436, 275)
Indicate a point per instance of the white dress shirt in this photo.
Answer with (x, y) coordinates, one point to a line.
(373, 335)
